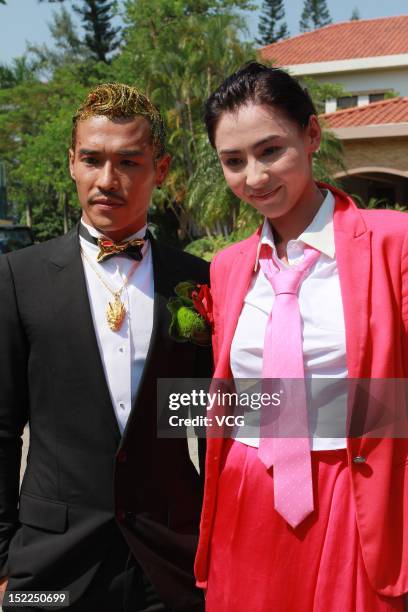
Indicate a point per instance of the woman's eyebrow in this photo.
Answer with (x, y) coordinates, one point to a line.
(256, 144)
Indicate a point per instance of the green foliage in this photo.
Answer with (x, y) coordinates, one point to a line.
(187, 325)
(206, 248)
(315, 15)
(68, 47)
(391, 93)
(378, 203)
(100, 36)
(35, 128)
(320, 92)
(329, 159)
(271, 28)
(178, 51)
(355, 15)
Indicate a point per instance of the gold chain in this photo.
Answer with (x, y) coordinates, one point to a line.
(116, 311)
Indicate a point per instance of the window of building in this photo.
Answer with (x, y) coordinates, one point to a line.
(377, 97)
(347, 102)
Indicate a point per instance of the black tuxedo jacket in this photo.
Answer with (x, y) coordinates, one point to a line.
(83, 480)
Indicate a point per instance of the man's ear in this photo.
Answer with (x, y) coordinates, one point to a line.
(71, 157)
(162, 168)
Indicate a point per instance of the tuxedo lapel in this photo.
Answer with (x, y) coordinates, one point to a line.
(164, 273)
(162, 287)
(77, 334)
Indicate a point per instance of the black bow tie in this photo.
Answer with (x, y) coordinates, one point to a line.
(108, 248)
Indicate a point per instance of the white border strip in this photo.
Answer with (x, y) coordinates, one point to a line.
(371, 131)
(350, 65)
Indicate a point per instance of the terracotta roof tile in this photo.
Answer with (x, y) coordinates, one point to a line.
(394, 110)
(341, 41)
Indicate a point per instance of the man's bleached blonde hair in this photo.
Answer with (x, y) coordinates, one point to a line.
(119, 101)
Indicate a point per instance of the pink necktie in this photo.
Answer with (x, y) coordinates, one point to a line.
(283, 359)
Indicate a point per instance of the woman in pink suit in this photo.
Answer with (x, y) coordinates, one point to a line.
(329, 534)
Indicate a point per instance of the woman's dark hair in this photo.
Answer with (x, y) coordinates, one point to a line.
(259, 84)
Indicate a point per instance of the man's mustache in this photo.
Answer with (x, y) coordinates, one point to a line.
(109, 195)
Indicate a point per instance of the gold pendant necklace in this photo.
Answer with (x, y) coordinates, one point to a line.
(115, 311)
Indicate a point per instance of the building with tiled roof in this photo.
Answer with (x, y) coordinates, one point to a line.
(351, 40)
(392, 112)
(375, 143)
(369, 59)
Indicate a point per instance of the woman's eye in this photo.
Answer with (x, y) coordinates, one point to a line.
(270, 151)
(233, 162)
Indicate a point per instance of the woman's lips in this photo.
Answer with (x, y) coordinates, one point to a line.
(264, 196)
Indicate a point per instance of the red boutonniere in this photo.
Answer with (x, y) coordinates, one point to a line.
(202, 301)
(191, 312)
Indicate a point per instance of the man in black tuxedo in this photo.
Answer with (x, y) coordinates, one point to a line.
(106, 511)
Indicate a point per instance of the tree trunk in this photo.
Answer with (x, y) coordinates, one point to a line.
(190, 122)
(187, 155)
(209, 76)
(29, 214)
(63, 200)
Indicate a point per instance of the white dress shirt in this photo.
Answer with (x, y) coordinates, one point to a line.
(123, 352)
(324, 345)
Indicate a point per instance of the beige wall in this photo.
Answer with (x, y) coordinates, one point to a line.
(390, 153)
(380, 168)
(373, 80)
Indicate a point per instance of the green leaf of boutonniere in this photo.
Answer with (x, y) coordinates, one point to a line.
(187, 325)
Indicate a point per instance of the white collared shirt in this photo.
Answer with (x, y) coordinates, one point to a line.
(123, 352)
(321, 309)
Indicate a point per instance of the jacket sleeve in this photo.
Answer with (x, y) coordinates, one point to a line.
(13, 408)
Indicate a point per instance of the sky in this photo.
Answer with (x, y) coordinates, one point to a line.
(26, 20)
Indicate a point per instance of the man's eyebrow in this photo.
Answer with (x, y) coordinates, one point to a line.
(256, 144)
(122, 152)
(130, 152)
(88, 152)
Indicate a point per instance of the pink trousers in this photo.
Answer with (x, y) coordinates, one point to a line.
(258, 563)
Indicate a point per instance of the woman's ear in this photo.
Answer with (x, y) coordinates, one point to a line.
(313, 134)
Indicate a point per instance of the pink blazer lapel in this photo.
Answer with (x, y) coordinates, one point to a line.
(239, 278)
(353, 255)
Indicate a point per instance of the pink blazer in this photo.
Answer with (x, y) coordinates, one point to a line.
(372, 259)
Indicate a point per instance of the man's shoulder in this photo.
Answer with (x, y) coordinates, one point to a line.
(33, 256)
(185, 262)
(36, 250)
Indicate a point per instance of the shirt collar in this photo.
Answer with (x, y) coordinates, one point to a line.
(97, 234)
(319, 234)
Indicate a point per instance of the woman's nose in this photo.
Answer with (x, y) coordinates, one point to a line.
(257, 175)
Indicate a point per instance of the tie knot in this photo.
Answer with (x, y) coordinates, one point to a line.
(286, 281)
